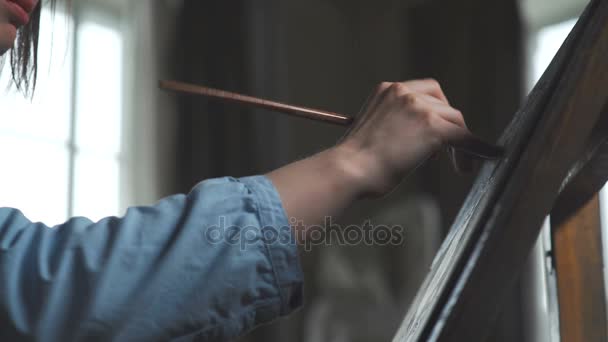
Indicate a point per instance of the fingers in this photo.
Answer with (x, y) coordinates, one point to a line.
(453, 128)
(403, 123)
(462, 140)
(446, 111)
(421, 96)
(427, 86)
(379, 94)
(461, 162)
(426, 89)
(426, 97)
(372, 101)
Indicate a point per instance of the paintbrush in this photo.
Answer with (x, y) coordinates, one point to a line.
(472, 146)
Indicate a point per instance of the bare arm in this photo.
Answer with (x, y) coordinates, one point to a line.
(400, 126)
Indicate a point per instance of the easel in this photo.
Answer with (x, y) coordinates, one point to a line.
(555, 144)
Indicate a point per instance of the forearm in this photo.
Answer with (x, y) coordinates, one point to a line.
(322, 185)
(401, 125)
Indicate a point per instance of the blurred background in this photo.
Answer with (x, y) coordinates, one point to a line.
(107, 138)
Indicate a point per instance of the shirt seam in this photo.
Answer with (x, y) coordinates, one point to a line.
(261, 202)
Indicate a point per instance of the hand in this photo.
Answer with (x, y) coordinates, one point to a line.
(399, 127)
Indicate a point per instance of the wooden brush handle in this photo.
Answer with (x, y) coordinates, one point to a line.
(303, 112)
(472, 146)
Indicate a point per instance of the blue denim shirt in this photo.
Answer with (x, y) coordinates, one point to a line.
(192, 267)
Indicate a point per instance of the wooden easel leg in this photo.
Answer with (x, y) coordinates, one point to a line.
(580, 279)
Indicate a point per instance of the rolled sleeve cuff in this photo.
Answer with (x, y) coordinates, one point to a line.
(280, 242)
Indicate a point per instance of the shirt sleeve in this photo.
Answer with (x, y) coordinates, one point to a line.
(209, 265)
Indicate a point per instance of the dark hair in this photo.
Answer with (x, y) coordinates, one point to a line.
(24, 55)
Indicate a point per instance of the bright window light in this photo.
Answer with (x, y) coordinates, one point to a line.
(96, 188)
(99, 81)
(34, 134)
(34, 178)
(98, 120)
(47, 115)
(61, 150)
(548, 42)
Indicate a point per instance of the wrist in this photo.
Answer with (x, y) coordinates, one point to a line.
(359, 169)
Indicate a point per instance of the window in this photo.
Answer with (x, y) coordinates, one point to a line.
(542, 286)
(61, 151)
(548, 41)
(98, 117)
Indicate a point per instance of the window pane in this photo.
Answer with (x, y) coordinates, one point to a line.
(34, 133)
(34, 178)
(98, 115)
(99, 88)
(96, 186)
(47, 116)
(548, 41)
